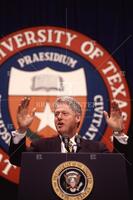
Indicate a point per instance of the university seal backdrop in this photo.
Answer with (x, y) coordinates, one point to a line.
(45, 62)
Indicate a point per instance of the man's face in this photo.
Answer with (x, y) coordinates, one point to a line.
(66, 120)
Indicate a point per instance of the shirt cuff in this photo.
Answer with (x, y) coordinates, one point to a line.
(17, 137)
(122, 138)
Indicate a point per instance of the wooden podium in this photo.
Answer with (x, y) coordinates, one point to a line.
(73, 176)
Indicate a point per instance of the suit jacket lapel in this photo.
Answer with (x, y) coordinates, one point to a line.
(83, 146)
(57, 145)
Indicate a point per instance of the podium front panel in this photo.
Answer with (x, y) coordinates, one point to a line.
(108, 170)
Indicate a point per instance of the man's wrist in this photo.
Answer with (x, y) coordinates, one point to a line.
(118, 132)
(21, 130)
(17, 136)
(120, 136)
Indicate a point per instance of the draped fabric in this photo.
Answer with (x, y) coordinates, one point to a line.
(110, 23)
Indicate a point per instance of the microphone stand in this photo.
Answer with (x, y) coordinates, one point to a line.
(66, 140)
(78, 142)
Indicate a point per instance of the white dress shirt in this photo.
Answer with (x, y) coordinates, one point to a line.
(17, 137)
(64, 150)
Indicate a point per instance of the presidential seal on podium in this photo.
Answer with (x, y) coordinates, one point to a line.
(72, 180)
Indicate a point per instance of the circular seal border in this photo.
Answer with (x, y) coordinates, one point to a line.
(78, 45)
(82, 167)
(10, 48)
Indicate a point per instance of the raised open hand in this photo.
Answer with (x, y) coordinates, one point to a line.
(24, 118)
(115, 120)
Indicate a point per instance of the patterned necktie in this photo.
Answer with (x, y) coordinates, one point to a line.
(70, 146)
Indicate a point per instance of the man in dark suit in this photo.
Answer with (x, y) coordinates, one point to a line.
(67, 117)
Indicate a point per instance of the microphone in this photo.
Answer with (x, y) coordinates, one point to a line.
(78, 142)
(66, 140)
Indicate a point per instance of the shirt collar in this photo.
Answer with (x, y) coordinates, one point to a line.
(72, 139)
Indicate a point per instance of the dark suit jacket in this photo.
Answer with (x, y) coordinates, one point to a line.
(50, 145)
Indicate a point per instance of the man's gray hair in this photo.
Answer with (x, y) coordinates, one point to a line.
(71, 102)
